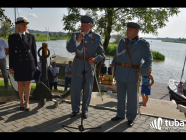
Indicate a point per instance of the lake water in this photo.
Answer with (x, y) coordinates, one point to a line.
(161, 70)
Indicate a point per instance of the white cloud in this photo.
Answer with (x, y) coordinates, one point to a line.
(33, 15)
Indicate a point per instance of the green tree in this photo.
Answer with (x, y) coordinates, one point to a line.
(4, 17)
(115, 19)
(5, 28)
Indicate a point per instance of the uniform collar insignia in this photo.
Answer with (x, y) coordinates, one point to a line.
(132, 40)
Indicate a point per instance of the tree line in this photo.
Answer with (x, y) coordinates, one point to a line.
(6, 30)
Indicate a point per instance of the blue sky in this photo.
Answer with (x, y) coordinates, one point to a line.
(40, 18)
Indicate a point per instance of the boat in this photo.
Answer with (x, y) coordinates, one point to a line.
(173, 92)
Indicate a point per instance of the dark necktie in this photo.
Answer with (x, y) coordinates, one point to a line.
(23, 37)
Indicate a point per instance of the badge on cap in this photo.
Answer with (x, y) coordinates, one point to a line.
(25, 20)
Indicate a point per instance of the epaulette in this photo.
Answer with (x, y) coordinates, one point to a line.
(143, 39)
(95, 33)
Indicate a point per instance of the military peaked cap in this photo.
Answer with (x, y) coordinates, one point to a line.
(133, 25)
(87, 19)
(21, 20)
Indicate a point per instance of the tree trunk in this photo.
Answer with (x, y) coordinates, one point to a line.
(108, 30)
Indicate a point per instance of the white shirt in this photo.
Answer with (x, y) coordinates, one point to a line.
(3, 45)
(77, 44)
(21, 34)
(54, 72)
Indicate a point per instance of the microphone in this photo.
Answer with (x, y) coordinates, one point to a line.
(83, 34)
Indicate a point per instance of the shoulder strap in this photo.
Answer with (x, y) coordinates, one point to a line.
(86, 50)
(128, 51)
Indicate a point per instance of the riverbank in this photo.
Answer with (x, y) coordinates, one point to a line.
(43, 37)
(173, 41)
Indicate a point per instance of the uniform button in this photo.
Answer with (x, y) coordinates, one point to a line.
(20, 60)
(19, 51)
(15, 47)
(26, 54)
(25, 51)
(26, 59)
(20, 55)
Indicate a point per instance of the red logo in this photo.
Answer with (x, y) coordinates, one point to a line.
(110, 89)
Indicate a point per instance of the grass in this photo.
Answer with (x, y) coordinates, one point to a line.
(41, 37)
(173, 41)
(157, 55)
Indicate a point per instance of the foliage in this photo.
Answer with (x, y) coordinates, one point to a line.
(5, 28)
(174, 41)
(3, 17)
(115, 19)
(111, 50)
(157, 55)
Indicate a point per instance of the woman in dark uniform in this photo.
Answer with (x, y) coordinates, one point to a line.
(22, 59)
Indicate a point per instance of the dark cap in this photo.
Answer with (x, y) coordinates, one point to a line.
(86, 19)
(133, 25)
(21, 20)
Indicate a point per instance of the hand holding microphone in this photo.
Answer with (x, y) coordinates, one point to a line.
(80, 37)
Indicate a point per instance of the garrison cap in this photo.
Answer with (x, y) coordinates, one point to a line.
(21, 20)
(87, 19)
(133, 25)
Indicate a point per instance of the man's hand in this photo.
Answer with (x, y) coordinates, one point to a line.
(11, 71)
(91, 60)
(138, 73)
(80, 37)
(149, 86)
(69, 72)
(36, 68)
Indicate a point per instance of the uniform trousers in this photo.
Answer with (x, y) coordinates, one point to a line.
(129, 89)
(67, 81)
(53, 84)
(4, 72)
(76, 87)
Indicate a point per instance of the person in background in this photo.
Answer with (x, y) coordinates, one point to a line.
(184, 88)
(55, 72)
(68, 74)
(3, 54)
(180, 87)
(103, 69)
(146, 87)
(40, 69)
(109, 70)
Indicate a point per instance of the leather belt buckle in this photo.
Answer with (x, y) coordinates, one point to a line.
(122, 64)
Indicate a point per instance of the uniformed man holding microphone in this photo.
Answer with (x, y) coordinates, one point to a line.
(94, 53)
(127, 65)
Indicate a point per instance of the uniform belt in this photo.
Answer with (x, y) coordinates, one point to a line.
(81, 58)
(128, 65)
